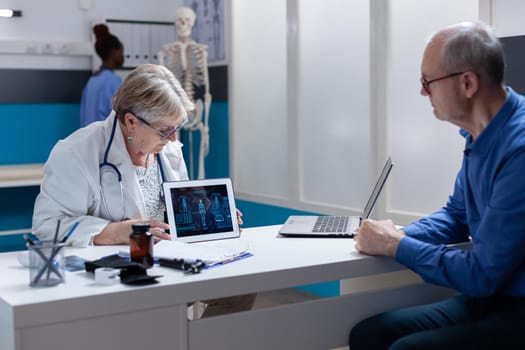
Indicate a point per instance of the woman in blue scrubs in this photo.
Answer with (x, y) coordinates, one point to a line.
(95, 104)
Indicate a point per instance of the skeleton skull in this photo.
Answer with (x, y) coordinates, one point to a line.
(184, 21)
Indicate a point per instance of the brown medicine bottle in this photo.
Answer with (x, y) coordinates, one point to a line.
(141, 244)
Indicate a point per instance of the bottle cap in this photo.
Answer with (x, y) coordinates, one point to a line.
(140, 227)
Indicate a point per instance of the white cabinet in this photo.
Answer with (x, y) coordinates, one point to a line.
(142, 40)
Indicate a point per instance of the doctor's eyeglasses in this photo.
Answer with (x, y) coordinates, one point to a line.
(164, 134)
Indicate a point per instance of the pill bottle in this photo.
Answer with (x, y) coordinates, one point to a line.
(141, 244)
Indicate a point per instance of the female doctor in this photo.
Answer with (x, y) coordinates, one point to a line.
(109, 174)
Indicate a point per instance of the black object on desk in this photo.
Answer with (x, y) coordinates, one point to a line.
(130, 272)
(180, 264)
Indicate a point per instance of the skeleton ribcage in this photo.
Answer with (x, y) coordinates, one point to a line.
(191, 76)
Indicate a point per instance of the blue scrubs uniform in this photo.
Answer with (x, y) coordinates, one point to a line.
(95, 104)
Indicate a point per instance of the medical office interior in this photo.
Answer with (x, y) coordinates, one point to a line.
(309, 99)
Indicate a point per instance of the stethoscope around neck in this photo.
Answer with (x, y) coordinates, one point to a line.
(111, 183)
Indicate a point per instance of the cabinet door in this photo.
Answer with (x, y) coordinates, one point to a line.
(160, 34)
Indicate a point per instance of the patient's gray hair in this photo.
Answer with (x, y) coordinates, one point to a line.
(473, 46)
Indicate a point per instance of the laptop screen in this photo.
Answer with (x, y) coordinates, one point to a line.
(377, 189)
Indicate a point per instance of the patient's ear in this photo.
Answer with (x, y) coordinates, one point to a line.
(469, 83)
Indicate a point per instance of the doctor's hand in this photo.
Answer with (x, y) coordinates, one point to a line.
(118, 232)
(378, 238)
(239, 218)
(157, 229)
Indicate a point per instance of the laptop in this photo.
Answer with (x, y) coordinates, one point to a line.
(334, 226)
(201, 210)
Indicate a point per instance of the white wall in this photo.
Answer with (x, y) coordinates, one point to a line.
(427, 152)
(258, 98)
(311, 93)
(300, 103)
(304, 133)
(507, 17)
(57, 21)
(333, 118)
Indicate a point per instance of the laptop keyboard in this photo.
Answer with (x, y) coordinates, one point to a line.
(331, 224)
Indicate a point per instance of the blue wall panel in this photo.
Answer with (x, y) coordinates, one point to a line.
(11, 243)
(217, 162)
(257, 214)
(31, 130)
(16, 207)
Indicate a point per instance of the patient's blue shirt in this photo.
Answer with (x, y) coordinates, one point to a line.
(487, 205)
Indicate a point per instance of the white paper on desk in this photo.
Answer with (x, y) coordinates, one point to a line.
(206, 251)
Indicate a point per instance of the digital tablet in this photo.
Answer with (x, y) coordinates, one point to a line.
(201, 210)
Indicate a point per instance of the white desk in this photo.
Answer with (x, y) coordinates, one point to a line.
(81, 315)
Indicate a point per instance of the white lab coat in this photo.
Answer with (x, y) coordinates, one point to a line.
(71, 189)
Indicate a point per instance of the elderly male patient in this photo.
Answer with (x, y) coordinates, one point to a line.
(462, 76)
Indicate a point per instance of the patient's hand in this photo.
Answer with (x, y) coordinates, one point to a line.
(378, 238)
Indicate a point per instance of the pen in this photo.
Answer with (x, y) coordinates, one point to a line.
(221, 262)
(228, 259)
(70, 232)
(56, 232)
(54, 243)
(28, 240)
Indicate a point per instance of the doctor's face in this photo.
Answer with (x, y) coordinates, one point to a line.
(153, 136)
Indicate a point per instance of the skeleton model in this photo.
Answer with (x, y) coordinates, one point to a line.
(188, 60)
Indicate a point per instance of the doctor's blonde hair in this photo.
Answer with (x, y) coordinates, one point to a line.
(152, 92)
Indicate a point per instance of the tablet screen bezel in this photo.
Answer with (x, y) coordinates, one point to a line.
(190, 185)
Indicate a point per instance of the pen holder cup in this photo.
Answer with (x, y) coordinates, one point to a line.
(46, 264)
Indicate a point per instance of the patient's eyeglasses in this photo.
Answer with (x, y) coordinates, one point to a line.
(426, 83)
